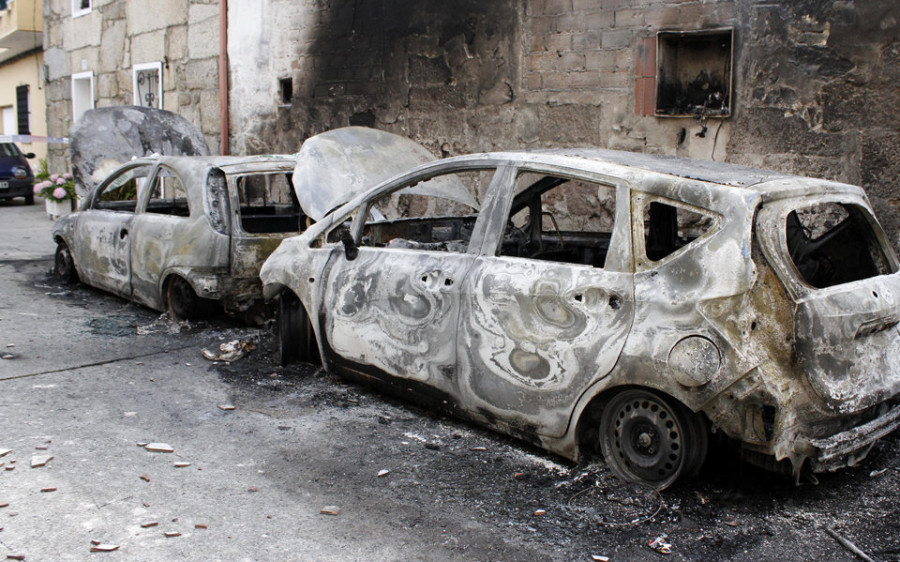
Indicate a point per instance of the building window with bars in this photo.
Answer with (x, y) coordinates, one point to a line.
(148, 86)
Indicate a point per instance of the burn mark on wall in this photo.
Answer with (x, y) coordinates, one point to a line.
(381, 56)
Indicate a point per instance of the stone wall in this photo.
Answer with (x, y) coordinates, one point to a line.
(117, 34)
(814, 82)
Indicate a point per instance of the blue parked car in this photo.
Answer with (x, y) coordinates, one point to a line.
(16, 179)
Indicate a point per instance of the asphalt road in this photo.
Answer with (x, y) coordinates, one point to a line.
(90, 378)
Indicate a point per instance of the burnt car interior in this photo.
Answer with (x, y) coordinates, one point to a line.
(832, 243)
(415, 217)
(269, 204)
(545, 226)
(120, 193)
(167, 196)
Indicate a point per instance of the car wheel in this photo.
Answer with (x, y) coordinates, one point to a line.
(64, 265)
(650, 439)
(295, 335)
(29, 199)
(181, 300)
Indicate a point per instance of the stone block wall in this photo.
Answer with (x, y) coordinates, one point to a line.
(116, 35)
(813, 81)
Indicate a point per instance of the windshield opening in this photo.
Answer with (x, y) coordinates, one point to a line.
(832, 244)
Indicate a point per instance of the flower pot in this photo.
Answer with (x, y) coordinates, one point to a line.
(56, 209)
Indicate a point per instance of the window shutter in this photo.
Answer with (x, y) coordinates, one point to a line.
(22, 109)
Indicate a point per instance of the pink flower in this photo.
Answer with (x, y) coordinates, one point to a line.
(38, 188)
(54, 177)
(60, 181)
(60, 193)
(67, 175)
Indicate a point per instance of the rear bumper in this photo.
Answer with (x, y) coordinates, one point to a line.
(849, 447)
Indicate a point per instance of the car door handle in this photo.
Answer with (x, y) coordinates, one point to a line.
(123, 233)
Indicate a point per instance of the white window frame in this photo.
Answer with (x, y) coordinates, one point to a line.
(157, 66)
(78, 11)
(76, 78)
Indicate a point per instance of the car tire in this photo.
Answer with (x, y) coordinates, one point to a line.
(651, 439)
(64, 265)
(295, 335)
(29, 199)
(182, 302)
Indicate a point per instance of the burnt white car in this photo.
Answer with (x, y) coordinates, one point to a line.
(179, 233)
(593, 300)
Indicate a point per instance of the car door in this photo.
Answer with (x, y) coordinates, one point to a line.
(102, 247)
(549, 304)
(394, 307)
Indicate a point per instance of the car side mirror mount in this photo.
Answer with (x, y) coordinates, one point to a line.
(29, 155)
(351, 250)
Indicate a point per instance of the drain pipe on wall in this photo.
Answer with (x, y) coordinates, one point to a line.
(223, 77)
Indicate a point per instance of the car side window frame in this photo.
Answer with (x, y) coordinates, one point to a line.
(643, 200)
(146, 191)
(140, 188)
(476, 240)
(619, 256)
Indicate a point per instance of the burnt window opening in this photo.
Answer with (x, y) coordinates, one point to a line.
(268, 204)
(286, 88)
(560, 219)
(693, 77)
(668, 228)
(832, 244)
(428, 214)
(168, 196)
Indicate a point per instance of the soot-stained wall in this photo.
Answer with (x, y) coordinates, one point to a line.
(813, 89)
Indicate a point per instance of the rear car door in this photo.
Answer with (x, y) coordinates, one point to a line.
(549, 304)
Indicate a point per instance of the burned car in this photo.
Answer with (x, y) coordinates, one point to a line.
(599, 301)
(179, 233)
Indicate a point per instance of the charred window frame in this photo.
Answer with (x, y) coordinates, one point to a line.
(665, 228)
(267, 204)
(120, 193)
(420, 215)
(286, 90)
(562, 218)
(168, 196)
(694, 73)
(834, 243)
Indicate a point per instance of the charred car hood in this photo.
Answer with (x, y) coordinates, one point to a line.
(108, 137)
(335, 166)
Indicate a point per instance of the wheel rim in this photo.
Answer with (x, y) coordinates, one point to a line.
(644, 439)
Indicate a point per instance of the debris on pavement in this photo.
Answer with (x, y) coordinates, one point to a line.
(4, 504)
(846, 543)
(4, 452)
(201, 526)
(383, 472)
(8, 356)
(40, 460)
(872, 474)
(160, 448)
(145, 477)
(660, 545)
(330, 510)
(15, 557)
(172, 534)
(230, 351)
(539, 512)
(598, 558)
(97, 546)
(49, 489)
(226, 407)
(182, 464)
(149, 524)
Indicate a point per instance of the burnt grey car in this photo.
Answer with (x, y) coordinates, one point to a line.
(179, 233)
(595, 301)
